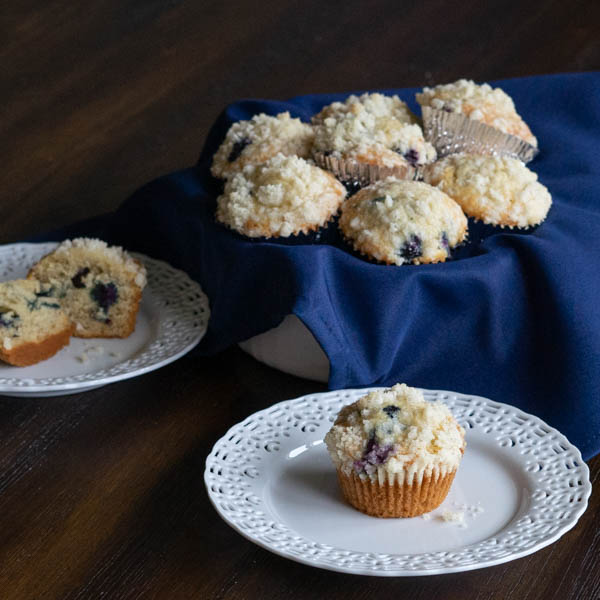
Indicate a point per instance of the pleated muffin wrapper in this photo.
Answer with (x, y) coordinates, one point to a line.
(451, 133)
(360, 174)
(409, 493)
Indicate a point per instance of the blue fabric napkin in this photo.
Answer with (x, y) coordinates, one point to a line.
(514, 317)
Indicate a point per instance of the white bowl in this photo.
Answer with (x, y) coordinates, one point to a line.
(291, 348)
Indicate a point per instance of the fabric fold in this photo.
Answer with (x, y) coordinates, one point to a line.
(514, 317)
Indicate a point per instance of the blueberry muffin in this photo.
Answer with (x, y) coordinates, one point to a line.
(395, 453)
(493, 189)
(284, 196)
(371, 130)
(397, 221)
(99, 286)
(482, 103)
(262, 137)
(33, 326)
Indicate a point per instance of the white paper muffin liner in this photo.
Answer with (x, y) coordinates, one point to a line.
(451, 133)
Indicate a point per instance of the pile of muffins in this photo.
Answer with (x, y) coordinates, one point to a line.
(402, 188)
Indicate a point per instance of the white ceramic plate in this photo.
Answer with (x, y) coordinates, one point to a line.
(172, 319)
(521, 485)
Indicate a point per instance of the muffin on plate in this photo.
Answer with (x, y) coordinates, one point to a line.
(397, 222)
(284, 196)
(370, 137)
(33, 326)
(262, 137)
(494, 189)
(396, 454)
(99, 286)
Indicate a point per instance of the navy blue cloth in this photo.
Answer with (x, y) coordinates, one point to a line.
(514, 317)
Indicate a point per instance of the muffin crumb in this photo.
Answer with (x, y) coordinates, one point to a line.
(454, 516)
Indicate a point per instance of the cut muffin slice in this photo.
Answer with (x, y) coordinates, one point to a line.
(33, 326)
(99, 286)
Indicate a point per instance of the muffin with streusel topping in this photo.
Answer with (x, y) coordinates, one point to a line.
(397, 222)
(494, 189)
(396, 454)
(491, 106)
(254, 141)
(475, 119)
(284, 196)
(99, 286)
(369, 137)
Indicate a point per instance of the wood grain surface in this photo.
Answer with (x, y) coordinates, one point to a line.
(101, 494)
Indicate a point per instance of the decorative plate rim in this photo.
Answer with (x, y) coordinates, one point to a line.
(149, 359)
(466, 408)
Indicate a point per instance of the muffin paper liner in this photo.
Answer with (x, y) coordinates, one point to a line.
(406, 499)
(451, 133)
(351, 170)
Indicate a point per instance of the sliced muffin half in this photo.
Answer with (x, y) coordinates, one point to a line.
(99, 286)
(33, 326)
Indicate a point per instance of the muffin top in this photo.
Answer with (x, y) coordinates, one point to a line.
(286, 195)
(494, 189)
(372, 125)
(396, 430)
(260, 138)
(398, 221)
(378, 105)
(491, 106)
(80, 251)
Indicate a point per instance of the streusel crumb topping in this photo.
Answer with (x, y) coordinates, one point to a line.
(260, 138)
(398, 221)
(371, 122)
(282, 197)
(116, 253)
(495, 189)
(394, 429)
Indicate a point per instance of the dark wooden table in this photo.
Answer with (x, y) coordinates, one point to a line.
(101, 494)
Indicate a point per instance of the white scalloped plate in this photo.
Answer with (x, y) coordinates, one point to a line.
(521, 485)
(172, 319)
